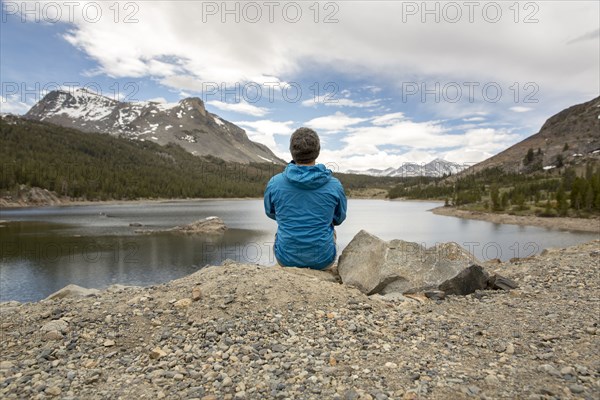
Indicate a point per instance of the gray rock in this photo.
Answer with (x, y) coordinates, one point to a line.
(466, 281)
(58, 325)
(72, 291)
(498, 282)
(376, 266)
(575, 388)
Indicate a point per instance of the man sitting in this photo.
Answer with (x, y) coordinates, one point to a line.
(307, 202)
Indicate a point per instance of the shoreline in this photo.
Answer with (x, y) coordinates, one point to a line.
(591, 225)
(285, 332)
(67, 203)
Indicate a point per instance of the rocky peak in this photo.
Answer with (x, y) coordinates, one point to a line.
(186, 123)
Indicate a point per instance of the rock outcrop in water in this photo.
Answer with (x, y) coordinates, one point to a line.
(206, 226)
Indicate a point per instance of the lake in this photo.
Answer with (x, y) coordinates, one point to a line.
(44, 249)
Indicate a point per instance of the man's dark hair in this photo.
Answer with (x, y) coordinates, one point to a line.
(305, 145)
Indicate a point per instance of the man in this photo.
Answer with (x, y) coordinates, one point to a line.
(307, 202)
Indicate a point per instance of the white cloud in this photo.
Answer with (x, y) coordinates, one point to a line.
(401, 140)
(178, 40)
(12, 105)
(520, 109)
(388, 119)
(334, 100)
(474, 119)
(264, 131)
(242, 108)
(333, 123)
(161, 100)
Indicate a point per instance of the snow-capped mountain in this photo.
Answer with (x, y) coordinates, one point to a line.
(435, 168)
(186, 123)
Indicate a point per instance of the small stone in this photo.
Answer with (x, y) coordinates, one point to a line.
(59, 325)
(391, 365)
(492, 380)
(178, 377)
(4, 365)
(567, 371)
(510, 348)
(109, 343)
(53, 335)
(227, 382)
(183, 303)
(549, 369)
(575, 388)
(591, 330)
(53, 390)
(157, 352)
(196, 293)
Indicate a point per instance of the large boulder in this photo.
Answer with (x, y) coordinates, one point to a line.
(375, 266)
(72, 291)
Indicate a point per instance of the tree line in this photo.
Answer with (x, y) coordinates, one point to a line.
(93, 166)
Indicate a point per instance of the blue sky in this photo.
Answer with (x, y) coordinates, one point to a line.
(382, 82)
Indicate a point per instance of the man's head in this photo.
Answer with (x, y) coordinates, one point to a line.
(305, 146)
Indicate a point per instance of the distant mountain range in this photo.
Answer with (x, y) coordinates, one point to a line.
(570, 137)
(186, 123)
(436, 168)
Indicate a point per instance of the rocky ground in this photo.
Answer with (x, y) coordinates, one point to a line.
(566, 223)
(250, 332)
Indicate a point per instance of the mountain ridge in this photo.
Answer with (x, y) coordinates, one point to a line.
(436, 168)
(186, 123)
(571, 136)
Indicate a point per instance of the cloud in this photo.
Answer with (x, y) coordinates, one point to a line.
(161, 100)
(399, 140)
(388, 119)
(334, 101)
(242, 108)
(586, 36)
(474, 119)
(12, 105)
(264, 131)
(333, 123)
(520, 109)
(172, 41)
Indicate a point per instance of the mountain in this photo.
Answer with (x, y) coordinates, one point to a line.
(435, 168)
(186, 123)
(570, 137)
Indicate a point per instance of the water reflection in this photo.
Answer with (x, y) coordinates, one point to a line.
(45, 249)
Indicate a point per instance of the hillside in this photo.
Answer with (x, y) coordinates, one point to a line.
(40, 156)
(186, 124)
(570, 137)
(92, 166)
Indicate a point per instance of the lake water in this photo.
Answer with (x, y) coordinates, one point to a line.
(45, 249)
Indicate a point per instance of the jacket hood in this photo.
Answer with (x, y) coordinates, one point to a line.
(307, 177)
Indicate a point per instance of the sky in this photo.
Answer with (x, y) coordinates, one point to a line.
(382, 82)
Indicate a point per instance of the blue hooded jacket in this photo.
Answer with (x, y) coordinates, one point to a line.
(306, 202)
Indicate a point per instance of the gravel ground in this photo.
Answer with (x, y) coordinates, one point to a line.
(250, 332)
